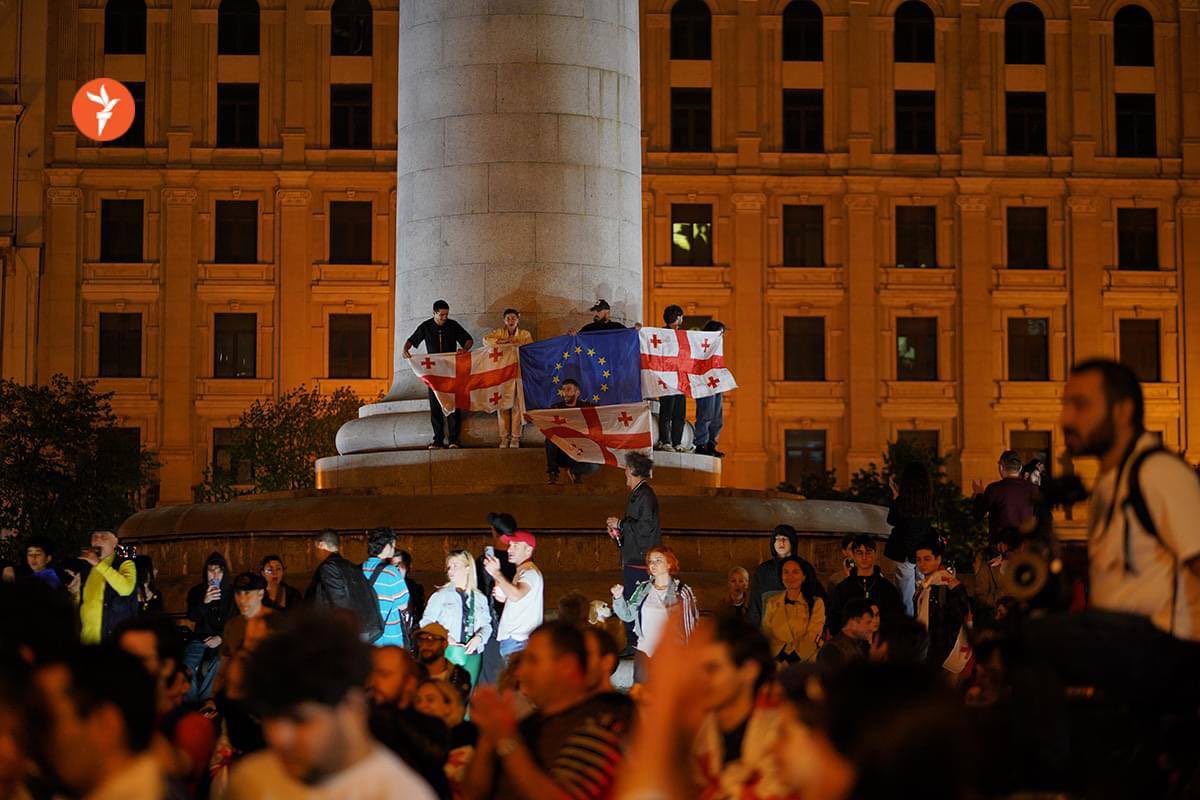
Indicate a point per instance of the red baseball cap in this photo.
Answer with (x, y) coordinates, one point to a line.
(520, 536)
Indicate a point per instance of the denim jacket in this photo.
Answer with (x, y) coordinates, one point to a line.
(445, 607)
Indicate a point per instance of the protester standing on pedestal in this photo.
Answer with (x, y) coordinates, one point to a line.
(710, 411)
(440, 334)
(511, 419)
(672, 408)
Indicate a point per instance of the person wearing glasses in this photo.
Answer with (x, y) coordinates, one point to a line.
(650, 605)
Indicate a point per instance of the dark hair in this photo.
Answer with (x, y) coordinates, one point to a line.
(378, 539)
(854, 608)
(933, 544)
(333, 658)
(810, 586)
(605, 642)
(572, 382)
(107, 675)
(405, 558)
(503, 522)
(329, 537)
(40, 542)
(1033, 466)
(1010, 461)
(567, 640)
(1120, 383)
(440, 305)
(640, 464)
(714, 326)
(848, 540)
(746, 642)
(268, 559)
(573, 608)
(249, 582)
(672, 313)
(508, 311)
(863, 540)
(168, 643)
(915, 496)
(907, 639)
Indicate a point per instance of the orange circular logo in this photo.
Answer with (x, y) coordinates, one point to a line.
(103, 109)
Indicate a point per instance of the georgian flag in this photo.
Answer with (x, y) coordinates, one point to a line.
(484, 379)
(690, 363)
(597, 434)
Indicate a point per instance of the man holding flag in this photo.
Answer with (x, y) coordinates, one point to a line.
(555, 457)
(440, 334)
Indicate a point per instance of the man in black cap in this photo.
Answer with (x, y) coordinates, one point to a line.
(601, 319)
(501, 524)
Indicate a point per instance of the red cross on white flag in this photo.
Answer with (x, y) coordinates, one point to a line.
(597, 434)
(690, 363)
(481, 380)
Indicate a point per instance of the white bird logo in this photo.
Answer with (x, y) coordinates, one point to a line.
(105, 112)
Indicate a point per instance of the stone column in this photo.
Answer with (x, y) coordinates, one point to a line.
(518, 165)
(1189, 221)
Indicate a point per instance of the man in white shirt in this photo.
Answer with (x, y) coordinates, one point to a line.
(307, 681)
(522, 597)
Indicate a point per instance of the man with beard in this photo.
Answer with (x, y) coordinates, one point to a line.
(307, 683)
(421, 741)
(431, 643)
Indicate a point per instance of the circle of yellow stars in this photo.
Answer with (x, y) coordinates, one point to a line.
(580, 352)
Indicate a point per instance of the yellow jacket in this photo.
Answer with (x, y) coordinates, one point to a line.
(793, 627)
(500, 336)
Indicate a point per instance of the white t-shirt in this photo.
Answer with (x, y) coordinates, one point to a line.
(1159, 576)
(520, 617)
(379, 776)
(654, 620)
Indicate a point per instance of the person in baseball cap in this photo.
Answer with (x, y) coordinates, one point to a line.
(601, 321)
(522, 594)
(524, 537)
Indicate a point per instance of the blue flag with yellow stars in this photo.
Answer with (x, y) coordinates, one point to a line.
(606, 364)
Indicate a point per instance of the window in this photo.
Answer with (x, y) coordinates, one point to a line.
(349, 345)
(805, 454)
(691, 31)
(1137, 238)
(225, 462)
(1024, 35)
(802, 32)
(691, 235)
(804, 236)
(121, 231)
(915, 122)
(925, 441)
(913, 36)
(237, 115)
(350, 232)
(236, 232)
(235, 345)
(1133, 37)
(136, 135)
(1032, 445)
(350, 116)
(691, 120)
(1135, 126)
(1027, 239)
(1028, 349)
(1025, 117)
(916, 236)
(804, 348)
(125, 27)
(350, 28)
(1140, 349)
(916, 349)
(120, 345)
(237, 28)
(803, 121)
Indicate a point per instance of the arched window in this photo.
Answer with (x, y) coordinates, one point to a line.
(802, 39)
(1133, 37)
(237, 28)
(691, 31)
(350, 33)
(1024, 35)
(125, 27)
(913, 39)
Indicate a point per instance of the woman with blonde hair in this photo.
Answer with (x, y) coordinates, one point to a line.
(650, 605)
(736, 602)
(460, 608)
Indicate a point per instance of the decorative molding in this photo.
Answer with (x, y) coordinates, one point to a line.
(861, 202)
(1083, 205)
(1189, 206)
(748, 201)
(973, 202)
(293, 197)
(59, 196)
(1189, 4)
(179, 197)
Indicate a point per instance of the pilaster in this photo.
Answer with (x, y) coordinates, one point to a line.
(862, 358)
(180, 362)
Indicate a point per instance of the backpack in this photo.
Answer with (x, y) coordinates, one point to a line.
(366, 603)
(1136, 501)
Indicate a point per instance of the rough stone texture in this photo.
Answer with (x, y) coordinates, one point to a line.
(519, 165)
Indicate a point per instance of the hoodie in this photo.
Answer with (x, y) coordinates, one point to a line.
(210, 618)
(766, 577)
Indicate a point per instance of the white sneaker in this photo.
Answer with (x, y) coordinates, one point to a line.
(688, 449)
(503, 442)
(514, 442)
(667, 448)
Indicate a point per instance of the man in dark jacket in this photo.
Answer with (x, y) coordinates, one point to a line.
(942, 606)
(421, 741)
(209, 607)
(339, 583)
(1008, 502)
(639, 529)
(866, 582)
(766, 577)
(555, 457)
(852, 639)
(440, 334)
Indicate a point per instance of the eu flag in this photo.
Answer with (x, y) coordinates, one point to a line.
(607, 365)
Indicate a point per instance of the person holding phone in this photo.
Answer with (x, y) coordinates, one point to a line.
(210, 604)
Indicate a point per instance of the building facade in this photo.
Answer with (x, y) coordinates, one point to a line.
(912, 216)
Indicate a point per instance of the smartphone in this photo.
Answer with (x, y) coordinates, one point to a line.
(489, 551)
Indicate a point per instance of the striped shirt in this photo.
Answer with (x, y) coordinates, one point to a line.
(392, 592)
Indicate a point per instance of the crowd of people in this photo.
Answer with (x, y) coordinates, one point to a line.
(441, 334)
(361, 686)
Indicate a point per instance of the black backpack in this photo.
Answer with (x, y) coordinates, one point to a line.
(1136, 501)
(366, 602)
